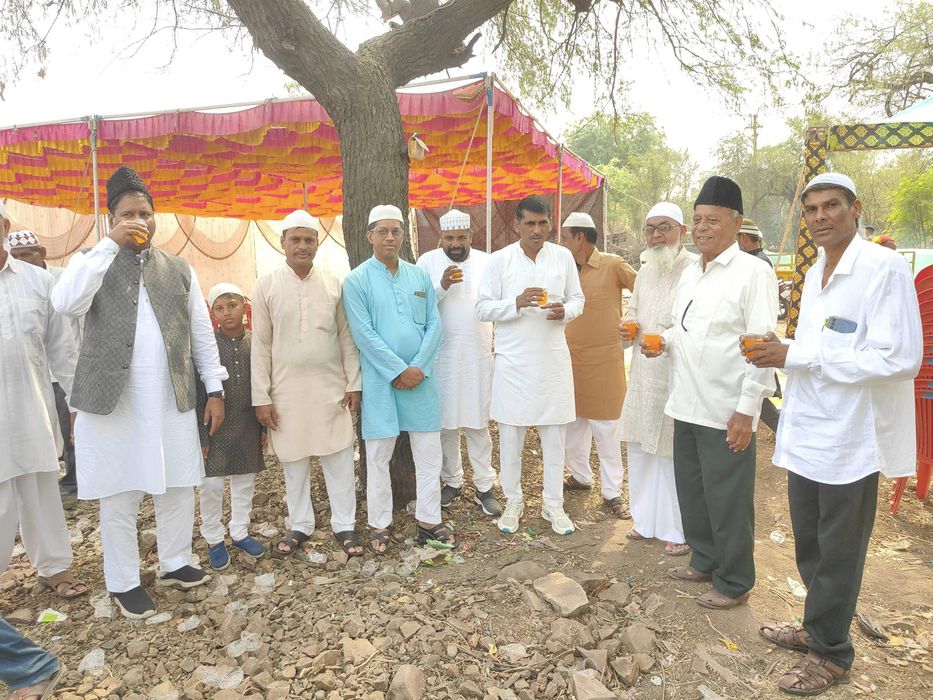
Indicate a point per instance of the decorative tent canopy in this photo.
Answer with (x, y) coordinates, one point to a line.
(269, 159)
(820, 140)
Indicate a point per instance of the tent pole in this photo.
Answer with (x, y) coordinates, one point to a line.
(490, 117)
(92, 123)
(560, 187)
(304, 196)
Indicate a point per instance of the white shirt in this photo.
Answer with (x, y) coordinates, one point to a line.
(849, 403)
(34, 341)
(463, 367)
(145, 444)
(735, 294)
(533, 379)
(643, 419)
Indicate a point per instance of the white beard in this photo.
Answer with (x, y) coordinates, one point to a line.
(662, 257)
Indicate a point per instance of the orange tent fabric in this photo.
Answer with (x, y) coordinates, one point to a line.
(254, 163)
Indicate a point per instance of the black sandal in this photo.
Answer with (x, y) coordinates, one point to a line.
(439, 533)
(293, 540)
(348, 539)
(380, 536)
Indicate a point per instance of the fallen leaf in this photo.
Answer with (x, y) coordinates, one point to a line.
(729, 644)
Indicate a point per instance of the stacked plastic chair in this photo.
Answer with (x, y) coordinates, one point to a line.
(923, 393)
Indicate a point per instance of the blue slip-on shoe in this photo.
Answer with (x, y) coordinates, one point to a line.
(251, 546)
(220, 558)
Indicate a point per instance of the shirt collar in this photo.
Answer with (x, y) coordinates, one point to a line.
(724, 258)
(11, 263)
(594, 259)
(844, 266)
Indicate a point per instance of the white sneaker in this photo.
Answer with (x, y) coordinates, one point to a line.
(511, 515)
(560, 523)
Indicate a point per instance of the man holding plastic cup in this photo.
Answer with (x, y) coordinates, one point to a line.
(848, 415)
(716, 396)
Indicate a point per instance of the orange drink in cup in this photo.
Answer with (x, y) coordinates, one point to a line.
(631, 327)
(542, 298)
(456, 274)
(652, 342)
(751, 341)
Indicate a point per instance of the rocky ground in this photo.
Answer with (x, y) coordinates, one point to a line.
(532, 615)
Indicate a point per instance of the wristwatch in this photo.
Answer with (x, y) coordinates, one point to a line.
(216, 395)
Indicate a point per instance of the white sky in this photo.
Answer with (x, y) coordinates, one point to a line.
(99, 77)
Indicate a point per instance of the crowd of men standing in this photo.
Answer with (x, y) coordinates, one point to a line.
(532, 335)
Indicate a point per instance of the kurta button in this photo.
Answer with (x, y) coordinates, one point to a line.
(134, 302)
(129, 345)
(126, 366)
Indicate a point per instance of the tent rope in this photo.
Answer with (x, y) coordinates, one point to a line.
(453, 197)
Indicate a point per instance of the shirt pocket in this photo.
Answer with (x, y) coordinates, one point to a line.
(324, 316)
(32, 316)
(836, 340)
(419, 309)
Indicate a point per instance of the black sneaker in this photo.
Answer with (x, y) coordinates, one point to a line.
(185, 577)
(449, 494)
(135, 603)
(487, 501)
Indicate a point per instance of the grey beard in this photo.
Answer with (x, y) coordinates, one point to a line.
(662, 257)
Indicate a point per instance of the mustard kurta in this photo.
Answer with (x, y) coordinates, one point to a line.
(593, 338)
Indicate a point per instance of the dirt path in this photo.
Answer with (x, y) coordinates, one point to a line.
(279, 629)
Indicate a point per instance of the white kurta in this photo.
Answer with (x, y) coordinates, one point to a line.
(533, 379)
(463, 367)
(303, 361)
(145, 444)
(643, 418)
(34, 340)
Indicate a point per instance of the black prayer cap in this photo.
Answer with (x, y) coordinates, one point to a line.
(123, 181)
(720, 191)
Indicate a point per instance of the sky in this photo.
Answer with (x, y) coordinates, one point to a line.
(99, 74)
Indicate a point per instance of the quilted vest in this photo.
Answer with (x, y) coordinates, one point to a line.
(110, 330)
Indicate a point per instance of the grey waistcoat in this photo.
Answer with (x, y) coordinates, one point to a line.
(110, 330)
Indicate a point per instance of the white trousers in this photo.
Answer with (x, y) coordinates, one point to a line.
(34, 503)
(174, 515)
(426, 450)
(652, 495)
(479, 448)
(511, 444)
(580, 436)
(340, 479)
(211, 491)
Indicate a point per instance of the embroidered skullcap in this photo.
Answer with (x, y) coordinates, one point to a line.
(750, 228)
(668, 209)
(579, 219)
(123, 181)
(385, 211)
(455, 220)
(833, 180)
(218, 290)
(23, 239)
(720, 191)
(299, 219)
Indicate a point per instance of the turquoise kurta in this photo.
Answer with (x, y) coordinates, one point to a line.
(395, 324)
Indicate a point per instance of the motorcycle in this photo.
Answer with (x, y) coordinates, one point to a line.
(784, 289)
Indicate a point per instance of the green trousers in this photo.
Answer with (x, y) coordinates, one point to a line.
(716, 490)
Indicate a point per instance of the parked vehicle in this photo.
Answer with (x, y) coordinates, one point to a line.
(919, 258)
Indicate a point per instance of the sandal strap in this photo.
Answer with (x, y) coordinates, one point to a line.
(812, 673)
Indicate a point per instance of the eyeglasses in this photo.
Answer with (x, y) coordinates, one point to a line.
(385, 232)
(663, 229)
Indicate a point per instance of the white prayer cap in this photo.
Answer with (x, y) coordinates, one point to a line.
(579, 219)
(385, 211)
(833, 180)
(23, 239)
(3, 214)
(218, 290)
(668, 209)
(299, 219)
(455, 220)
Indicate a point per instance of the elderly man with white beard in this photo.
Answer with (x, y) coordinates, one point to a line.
(648, 432)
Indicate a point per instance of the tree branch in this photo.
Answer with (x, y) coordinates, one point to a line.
(432, 43)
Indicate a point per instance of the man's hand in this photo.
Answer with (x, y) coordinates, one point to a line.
(267, 416)
(771, 353)
(71, 417)
(648, 351)
(739, 431)
(351, 400)
(214, 414)
(529, 297)
(625, 331)
(204, 450)
(129, 234)
(409, 379)
(447, 278)
(263, 439)
(555, 311)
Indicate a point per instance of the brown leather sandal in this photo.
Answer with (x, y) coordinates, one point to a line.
(786, 636)
(812, 676)
(64, 584)
(688, 573)
(617, 508)
(572, 484)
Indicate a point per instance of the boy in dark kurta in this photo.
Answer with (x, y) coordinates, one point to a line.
(235, 450)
